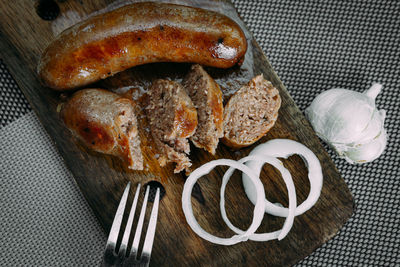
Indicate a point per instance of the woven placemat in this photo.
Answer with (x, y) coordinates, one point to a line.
(45, 220)
(319, 45)
(13, 104)
(314, 46)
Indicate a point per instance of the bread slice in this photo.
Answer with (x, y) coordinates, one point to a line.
(207, 98)
(172, 118)
(250, 113)
(106, 123)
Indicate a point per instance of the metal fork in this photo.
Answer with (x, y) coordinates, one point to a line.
(111, 257)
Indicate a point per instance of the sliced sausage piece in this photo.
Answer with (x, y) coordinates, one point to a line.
(172, 118)
(137, 34)
(250, 113)
(106, 123)
(207, 98)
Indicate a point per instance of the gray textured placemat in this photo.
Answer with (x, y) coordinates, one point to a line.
(319, 45)
(313, 46)
(13, 104)
(45, 221)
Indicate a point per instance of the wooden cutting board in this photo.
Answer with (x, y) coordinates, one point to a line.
(101, 178)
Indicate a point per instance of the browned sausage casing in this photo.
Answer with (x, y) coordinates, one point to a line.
(137, 34)
(106, 123)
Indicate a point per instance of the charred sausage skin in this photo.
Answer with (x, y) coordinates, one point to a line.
(105, 122)
(138, 34)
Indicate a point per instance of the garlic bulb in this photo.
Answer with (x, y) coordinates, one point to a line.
(350, 123)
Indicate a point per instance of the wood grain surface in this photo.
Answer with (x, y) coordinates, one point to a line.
(23, 37)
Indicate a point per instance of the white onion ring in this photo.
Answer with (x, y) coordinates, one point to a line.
(279, 234)
(188, 210)
(285, 148)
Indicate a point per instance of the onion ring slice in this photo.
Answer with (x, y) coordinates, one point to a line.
(279, 234)
(258, 208)
(285, 148)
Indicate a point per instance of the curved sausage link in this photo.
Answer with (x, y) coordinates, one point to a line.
(138, 34)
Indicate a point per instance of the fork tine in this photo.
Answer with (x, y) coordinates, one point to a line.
(151, 230)
(116, 225)
(135, 244)
(128, 227)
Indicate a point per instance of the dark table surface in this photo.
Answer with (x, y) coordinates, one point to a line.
(313, 46)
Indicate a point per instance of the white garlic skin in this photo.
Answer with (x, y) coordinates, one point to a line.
(350, 123)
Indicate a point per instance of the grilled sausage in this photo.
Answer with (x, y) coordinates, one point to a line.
(172, 118)
(106, 123)
(138, 34)
(207, 98)
(250, 113)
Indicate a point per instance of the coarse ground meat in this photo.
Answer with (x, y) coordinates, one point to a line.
(172, 118)
(207, 99)
(250, 113)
